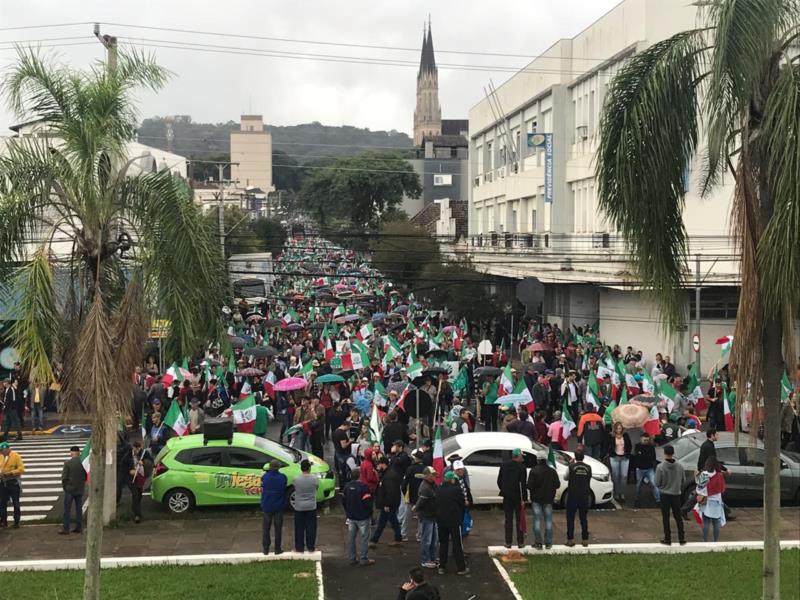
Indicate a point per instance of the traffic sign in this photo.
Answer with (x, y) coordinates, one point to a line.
(696, 342)
(485, 347)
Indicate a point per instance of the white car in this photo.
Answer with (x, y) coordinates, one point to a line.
(483, 453)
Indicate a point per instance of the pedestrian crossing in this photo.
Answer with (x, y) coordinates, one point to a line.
(43, 457)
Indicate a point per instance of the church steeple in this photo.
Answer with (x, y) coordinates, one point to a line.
(428, 113)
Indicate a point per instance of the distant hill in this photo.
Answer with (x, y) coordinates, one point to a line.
(305, 142)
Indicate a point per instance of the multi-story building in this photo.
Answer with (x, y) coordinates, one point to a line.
(251, 154)
(533, 208)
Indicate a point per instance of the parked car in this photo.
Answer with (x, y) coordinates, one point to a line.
(484, 452)
(744, 464)
(191, 471)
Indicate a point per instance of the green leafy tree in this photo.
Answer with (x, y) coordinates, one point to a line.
(360, 188)
(271, 234)
(401, 251)
(286, 172)
(459, 288)
(240, 238)
(132, 246)
(740, 74)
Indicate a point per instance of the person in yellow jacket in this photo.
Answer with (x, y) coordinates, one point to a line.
(11, 468)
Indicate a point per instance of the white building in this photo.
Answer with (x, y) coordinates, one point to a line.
(566, 242)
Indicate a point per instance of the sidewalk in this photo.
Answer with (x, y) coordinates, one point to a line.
(236, 535)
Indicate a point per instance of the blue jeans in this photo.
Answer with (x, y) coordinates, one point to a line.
(650, 474)
(391, 518)
(305, 530)
(428, 540)
(37, 415)
(539, 511)
(362, 527)
(709, 522)
(69, 500)
(619, 474)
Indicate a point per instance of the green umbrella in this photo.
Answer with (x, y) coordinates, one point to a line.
(331, 378)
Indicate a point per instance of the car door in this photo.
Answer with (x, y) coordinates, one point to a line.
(736, 478)
(205, 469)
(753, 461)
(483, 467)
(240, 476)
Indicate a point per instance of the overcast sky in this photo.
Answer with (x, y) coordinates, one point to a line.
(218, 87)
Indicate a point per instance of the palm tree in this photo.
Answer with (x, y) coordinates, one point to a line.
(739, 76)
(97, 250)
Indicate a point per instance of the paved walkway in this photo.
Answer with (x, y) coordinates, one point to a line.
(205, 534)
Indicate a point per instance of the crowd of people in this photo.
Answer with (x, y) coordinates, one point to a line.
(378, 376)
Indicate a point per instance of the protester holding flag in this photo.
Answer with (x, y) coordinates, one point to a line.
(543, 481)
(709, 510)
(136, 464)
(73, 482)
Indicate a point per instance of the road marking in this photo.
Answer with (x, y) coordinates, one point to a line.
(504, 574)
(648, 548)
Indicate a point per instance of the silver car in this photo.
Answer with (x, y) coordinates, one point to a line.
(744, 464)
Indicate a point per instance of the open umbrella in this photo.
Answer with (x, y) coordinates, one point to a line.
(294, 327)
(316, 326)
(403, 309)
(449, 329)
(289, 384)
(437, 352)
(261, 352)
(345, 373)
(211, 362)
(378, 316)
(351, 318)
(631, 415)
(536, 367)
(254, 318)
(237, 342)
(272, 323)
(538, 347)
(250, 372)
(330, 378)
(425, 403)
(481, 371)
(434, 371)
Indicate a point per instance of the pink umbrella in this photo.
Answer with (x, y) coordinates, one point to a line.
(539, 347)
(289, 384)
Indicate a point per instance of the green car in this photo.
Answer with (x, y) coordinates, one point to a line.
(190, 471)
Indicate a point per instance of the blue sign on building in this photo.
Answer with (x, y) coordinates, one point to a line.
(545, 140)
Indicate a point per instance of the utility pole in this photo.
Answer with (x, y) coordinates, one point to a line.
(110, 44)
(698, 281)
(221, 209)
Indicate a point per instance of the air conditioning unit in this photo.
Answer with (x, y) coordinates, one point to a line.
(581, 132)
(488, 177)
(477, 181)
(601, 240)
(501, 172)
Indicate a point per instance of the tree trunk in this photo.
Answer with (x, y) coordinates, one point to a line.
(773, 367)
(94, 517)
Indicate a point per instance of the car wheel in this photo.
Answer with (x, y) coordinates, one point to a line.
(291, 496)
(179, 501)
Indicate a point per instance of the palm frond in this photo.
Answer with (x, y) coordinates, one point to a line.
(180, 258)
(130, 327)
(35, 88)
(779, 246)
(36, 328)
(648, 136)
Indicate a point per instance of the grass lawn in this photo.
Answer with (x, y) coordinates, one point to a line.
(277, 580)
(730, 575)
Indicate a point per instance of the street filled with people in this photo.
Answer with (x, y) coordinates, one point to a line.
(377, 404)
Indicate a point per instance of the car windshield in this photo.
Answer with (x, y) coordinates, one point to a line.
(450, 446)
(684, 445)
(279, 451)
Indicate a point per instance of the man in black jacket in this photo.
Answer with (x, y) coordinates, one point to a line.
(644, 460)
(416, 588)
(358, 507)
(13, 401)
(579, 478)
(449, 511)
(399, 460)
(73, 481)
(387, 501)
(707, 448)
(511, 482)
(425, 508)
(543, 482)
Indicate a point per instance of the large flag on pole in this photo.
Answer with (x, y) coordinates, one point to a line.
(86, 456)
(725, 344)
(506, 382)
(567, 424)
(593, 391)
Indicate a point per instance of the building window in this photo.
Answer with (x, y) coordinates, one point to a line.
(443, 179)
(717, 303)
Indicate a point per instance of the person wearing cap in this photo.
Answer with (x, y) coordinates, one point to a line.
(305, 508)
(73, 482)
(357, 501)
(273, 501)
(425, 508)
(387, 501)
(11, 469)
(449, 511)
(511, 482)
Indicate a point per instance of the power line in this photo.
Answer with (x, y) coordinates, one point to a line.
(53, 25)
(343, 44)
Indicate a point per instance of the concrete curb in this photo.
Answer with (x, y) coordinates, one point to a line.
(185, 559)
(649, 548)
(507, 578)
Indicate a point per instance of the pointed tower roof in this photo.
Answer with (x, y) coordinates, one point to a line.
(427, 62)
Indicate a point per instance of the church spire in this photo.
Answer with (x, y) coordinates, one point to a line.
(428, 113)
(427, 62)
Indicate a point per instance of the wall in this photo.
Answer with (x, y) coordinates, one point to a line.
(252, 149)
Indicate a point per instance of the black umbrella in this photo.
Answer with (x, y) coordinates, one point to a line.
(437, 352)
(346, 373)
(425, 403)
(261, 352)
(435, 371)
(481, 371)
(536, 367)
(272, 323)
(237, 342)
(316, 326)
